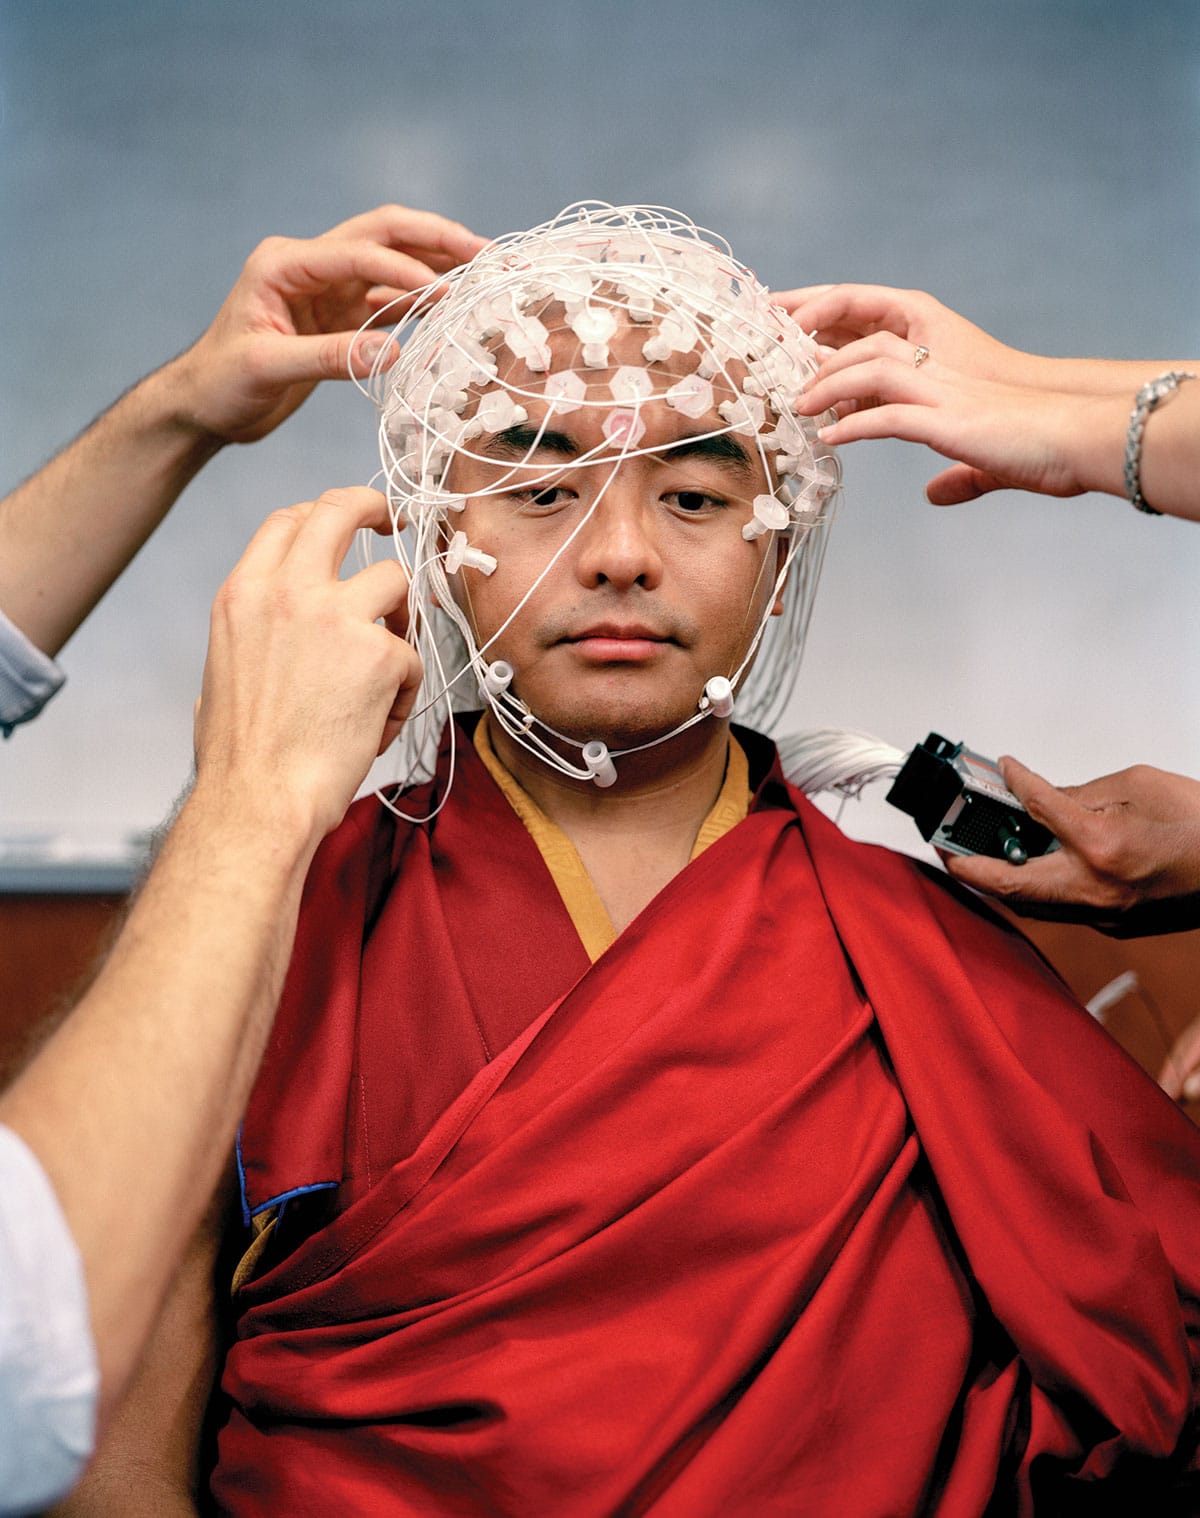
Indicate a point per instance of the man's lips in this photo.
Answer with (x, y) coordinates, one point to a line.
(614, 643)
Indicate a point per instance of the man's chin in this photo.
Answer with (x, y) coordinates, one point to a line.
(618, 728)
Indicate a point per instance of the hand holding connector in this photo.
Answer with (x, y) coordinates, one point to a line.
(1129, 862)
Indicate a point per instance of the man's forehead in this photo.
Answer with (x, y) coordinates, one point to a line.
(607, 345)
(626, 366)
(568, 407)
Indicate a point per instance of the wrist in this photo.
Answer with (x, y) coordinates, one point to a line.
(183, 405)
(1093, 440)
(1013, 366)
(266, 831)
(1072, 376)
(1162, 389)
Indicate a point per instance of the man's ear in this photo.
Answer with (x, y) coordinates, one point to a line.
(442, 540)
(782, 545)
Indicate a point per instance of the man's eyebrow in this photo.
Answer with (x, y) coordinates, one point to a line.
(516, 442)
(723, 447)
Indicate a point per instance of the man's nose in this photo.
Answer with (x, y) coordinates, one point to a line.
(618, 545)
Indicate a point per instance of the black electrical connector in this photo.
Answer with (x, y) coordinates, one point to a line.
(962, 806)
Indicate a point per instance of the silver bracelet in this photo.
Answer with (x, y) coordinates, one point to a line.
(1149, 396)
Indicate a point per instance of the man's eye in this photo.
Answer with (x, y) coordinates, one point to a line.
(546, 499)
(692, 501)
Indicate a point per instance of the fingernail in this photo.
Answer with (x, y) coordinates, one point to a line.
(824, 432)
(1191, 1088)
(372, 346)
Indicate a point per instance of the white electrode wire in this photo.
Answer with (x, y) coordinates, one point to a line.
(800, 533)
(450, 772)
(441, 589)
(529, 466)
(704, 706)
(454, 612)
(837, 759)
(669, 226)
(577, 259)
(525, 738)
(520, 733)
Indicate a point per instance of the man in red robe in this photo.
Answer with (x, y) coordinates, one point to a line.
(637, 1143)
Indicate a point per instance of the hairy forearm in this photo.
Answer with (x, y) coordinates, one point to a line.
(71, 528)
(128, 1494)
(149, 1076)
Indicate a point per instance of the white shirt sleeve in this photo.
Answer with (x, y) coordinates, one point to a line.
(49, 1378)
(28, 678)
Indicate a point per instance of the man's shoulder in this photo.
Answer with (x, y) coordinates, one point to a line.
(884, 886)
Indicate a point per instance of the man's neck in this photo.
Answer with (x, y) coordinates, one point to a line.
(670, 787)
(636, 835)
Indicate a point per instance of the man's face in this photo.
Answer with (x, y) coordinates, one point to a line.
(658, 591)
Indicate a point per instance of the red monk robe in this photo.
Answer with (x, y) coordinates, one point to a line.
(813, 1195)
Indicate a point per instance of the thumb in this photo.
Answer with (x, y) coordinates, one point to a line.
(961, 483)
(405, 697)
(1044, 802)
(304, 360)
(364, 353)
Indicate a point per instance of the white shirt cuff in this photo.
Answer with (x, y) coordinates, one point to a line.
(49, 1377)
(28, 677)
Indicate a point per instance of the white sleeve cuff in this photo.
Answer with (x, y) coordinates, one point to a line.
(49, 1377)
(28, 677)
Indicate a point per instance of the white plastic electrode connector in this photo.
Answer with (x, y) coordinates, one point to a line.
(455, 549)
(624, 429)
(676, 334)
(475, 558)
(496, 678)
(641, 307)
(720, 696)
(691, 395)
(460, 552)
(594, 324)
(565, 391)
(527, 339)
(497, 412)
(746, 414)
(595, 328)
(595, 756)
(572, 287)
(639, 299)
(770, 515)
(628, 386)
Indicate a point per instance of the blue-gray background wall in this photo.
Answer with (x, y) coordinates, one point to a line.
(1034, 164)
